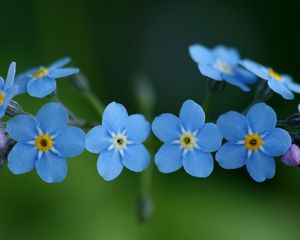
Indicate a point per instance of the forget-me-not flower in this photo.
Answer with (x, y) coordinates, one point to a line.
(253, 140)
(43, 142)
(7, 89)
(119, 142)
(188, 141)
(221, 64)
(280, 83)
(41, 81)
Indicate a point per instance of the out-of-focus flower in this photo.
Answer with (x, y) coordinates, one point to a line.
(7, 89)
(44, 142)
(253, 141)
(221, 64)
(279, 83)
(119, 142)
(41, 81)
(188, 141)
(292, 156)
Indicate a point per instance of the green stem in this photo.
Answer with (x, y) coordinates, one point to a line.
(94, 101)
(207, 101)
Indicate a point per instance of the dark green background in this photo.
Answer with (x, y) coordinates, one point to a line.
(111, 41)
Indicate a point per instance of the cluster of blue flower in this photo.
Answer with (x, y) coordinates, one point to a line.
(43, 142)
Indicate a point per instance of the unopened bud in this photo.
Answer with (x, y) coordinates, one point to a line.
(263, 92)
(292, 156)
(14, 109)
(6, 144)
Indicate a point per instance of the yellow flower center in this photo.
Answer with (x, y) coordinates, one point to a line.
(2, 95)
(43, 142)
(40, 73)
(187, 140)
(253, 141)
(275, 75)
(223, 67)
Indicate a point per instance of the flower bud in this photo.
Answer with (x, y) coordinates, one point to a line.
(14, 109)
(292, 156)
(294, 120)
(263, 92)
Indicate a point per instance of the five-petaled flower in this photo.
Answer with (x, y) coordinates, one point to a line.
(7, 89)
(41, 81)
(119, 142)
(44, 142)
(188, 141)
(253, 140)
(279, 83)
(221, 64)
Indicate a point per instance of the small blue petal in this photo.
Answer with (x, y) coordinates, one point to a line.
(138, 128)
(209, 138)
(257, 69)
(201, 54)
(236, 81)
(1, 83)
(22, 128)
(168, 158)
(245, 76)
(70, 142)
(109, 165)
(10, 76)
(198, 164)
(21, 159)
(60, 63)
(233, 126)
(277, 142)
(281, 89)
(231, 156)
(262, 118)
(62, 72)
(208, 70)
(136, 158)
(97, 139)
(260, 166)
(51, 167)
(53, 118)
(23, 79)
(41, 87)
(295, 87)
(166, 127)
(10, 93)
(226, 55)
(115, 118)
(191, 115)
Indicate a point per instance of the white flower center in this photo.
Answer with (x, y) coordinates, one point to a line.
(223, 67)
(119, 141)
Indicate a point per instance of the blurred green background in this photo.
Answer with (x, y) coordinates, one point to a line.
(112, 41)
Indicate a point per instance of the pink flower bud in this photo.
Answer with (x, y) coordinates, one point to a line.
(292, 156)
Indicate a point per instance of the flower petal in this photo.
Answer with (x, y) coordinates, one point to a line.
(281, 89)
(295, 87)
(191, 115)
(136, 158)
(60, 63)
(23, 79)
(260, 166)
(236, 81)
(231, 156)
(109, 165)
(233, 126)
(208, 70)
(62, 72)
(70, 142)
(138, 128)
(200, 54)
(166, 127)
(277, 142)
(22, 128)
(262, 118)
(97, 139)
(21, 159)
(209, 138)
(53, 118)
(226, 55)
(51, 167)
(245, 76)
(115, 117)
(198, 164)
(10, 93)
(41, 87)
(168, 158)
(256, 68)
(10, 78)
(1, 82)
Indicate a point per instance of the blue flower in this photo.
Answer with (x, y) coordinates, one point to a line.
(43, 142)
(41, 81)
(7, 89)
(119, 142)
(253, 140)
(221, 64)
(281, 84)
(188, 141)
